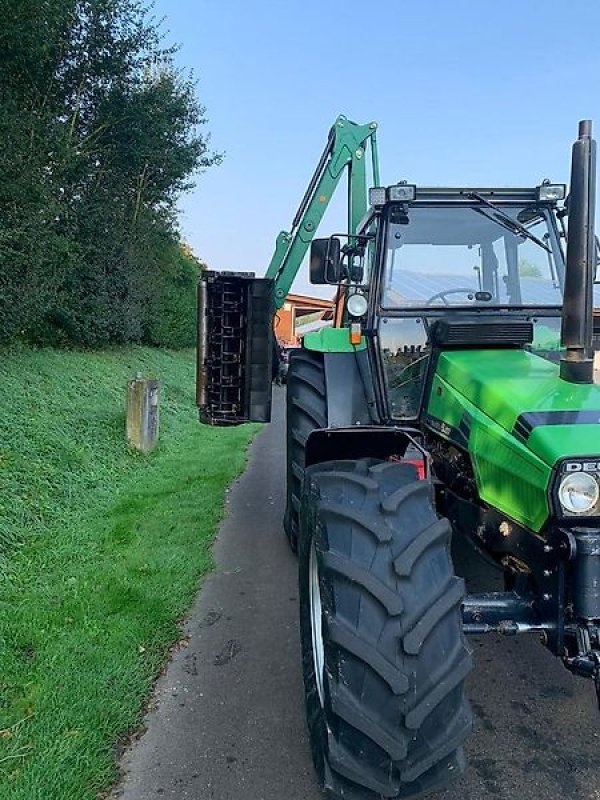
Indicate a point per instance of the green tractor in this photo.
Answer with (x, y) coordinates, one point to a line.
(453, 396)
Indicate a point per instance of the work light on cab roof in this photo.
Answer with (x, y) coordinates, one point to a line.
(398, 193)
(546, 192)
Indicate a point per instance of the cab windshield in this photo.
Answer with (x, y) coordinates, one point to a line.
(475, 255)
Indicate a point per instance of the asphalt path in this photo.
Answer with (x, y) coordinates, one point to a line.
(227, 721)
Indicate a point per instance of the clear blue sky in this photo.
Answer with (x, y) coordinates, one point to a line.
(464, 91)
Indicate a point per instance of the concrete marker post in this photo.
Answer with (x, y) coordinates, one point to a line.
(142, 424)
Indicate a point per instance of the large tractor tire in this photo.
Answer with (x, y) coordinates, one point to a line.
(306, 411)
(384, 655)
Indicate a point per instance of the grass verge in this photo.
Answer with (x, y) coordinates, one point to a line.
(101, 552)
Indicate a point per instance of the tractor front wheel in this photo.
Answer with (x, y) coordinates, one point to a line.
(384, 656)
(306, 411)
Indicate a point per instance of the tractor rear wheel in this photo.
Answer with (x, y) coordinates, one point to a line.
(306, 411)
(384, 655)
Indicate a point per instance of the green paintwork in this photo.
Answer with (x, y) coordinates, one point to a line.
(332, 340)
(506, 383)
(493, 387)
(348, 151)
(545, 338)
(509, 476)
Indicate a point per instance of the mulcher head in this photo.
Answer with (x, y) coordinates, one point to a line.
(235, 348)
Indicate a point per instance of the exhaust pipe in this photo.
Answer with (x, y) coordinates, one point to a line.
(577, 365)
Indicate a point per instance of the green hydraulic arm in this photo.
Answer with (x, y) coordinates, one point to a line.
(346, 148)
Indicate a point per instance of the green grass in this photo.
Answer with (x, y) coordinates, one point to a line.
(101, 552)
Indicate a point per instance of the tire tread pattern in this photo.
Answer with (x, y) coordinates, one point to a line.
(395, 714)
(306, 409)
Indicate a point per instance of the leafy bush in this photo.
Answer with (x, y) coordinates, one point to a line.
(172, 322)
(101, 135)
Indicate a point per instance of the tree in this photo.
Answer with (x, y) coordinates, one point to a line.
(527, 269)
(32, 43)
(103, 135)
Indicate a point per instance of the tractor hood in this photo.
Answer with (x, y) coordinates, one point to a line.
(524, 394)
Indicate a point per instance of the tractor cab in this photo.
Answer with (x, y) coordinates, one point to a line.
(484, 256)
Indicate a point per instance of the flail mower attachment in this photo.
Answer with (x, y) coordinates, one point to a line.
(235, 344)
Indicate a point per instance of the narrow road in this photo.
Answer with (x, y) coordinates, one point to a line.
(228, 719)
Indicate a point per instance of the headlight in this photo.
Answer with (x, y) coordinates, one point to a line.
(377, 196)
(402, 193)
(578, 492)
(399, 193)
(357, 305)
(551, 192)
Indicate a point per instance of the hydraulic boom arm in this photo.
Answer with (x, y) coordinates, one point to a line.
(346, 148)
(235, 310)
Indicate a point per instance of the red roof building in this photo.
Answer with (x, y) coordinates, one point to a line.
(288, 320)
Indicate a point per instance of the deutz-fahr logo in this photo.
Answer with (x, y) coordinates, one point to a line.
(581, 466)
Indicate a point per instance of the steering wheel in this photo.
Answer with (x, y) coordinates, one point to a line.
(442, 295)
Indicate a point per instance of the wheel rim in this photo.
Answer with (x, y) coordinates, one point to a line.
(316, 622)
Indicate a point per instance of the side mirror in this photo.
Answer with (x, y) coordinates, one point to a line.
(325, 261)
